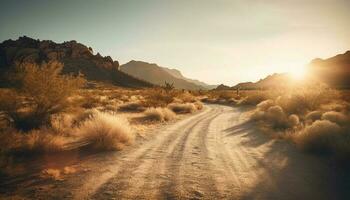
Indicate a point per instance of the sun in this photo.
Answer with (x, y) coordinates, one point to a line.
(297, 73)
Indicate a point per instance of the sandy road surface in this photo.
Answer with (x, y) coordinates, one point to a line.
(210, 155)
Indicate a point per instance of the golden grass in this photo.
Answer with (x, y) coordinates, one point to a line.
(105, 131)
(316, 120)
(182, 108)
(159, 114)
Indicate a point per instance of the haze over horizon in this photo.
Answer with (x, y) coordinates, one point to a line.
(215, 42)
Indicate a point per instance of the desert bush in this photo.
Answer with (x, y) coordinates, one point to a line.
(43, 90)
(136, 106)
(316, 120)
(313, 116)
(33, 142)
(159, 114)
(182, 108)
(105, 131)
(322, 136)
(254, 98)
(186, 97)
(336, 117)
(158, 97)
(199, 105)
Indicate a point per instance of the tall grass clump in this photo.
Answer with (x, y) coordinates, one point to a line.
(159, 114)
(182, 108)
(106, 131)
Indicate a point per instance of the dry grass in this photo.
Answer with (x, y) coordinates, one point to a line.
(159, 114)
(182, 108)
(136, 106)
(33, 142)
(87, 118)
(323, 136)
(316, 120)
(105, 131)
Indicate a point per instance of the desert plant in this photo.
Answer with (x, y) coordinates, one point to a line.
(182, 107)
(168, 86)
(159, 114)
(136, 106)
(322, 136)
(43, 90)
(106, 131)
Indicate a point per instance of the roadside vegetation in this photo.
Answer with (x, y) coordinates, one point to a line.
(315, 118)
(47, 112)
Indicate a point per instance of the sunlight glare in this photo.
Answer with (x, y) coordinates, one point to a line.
(297, 73)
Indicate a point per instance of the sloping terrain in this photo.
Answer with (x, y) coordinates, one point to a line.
(334, 71)
(76, 58)
(159, 75)
(272, 81)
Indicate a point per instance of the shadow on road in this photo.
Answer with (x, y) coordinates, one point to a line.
(288, 173)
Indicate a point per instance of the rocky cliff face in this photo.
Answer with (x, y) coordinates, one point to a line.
(76, 58)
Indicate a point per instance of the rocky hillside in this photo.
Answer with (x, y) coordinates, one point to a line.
(159, 75)
(334, 71)
(176, 73)
(272, 81)
(76, 58)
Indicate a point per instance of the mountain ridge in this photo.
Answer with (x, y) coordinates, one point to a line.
(159, 75)
(76, 57)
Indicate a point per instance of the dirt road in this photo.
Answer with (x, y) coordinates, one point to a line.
(210, 155)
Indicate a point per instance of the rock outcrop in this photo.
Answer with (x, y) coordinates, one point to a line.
(76, 57)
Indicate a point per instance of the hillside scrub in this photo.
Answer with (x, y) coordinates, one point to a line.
(315, 120)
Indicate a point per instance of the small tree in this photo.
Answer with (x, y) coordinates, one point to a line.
(44, 91)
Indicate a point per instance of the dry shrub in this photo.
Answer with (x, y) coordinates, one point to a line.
(159, 114)
(34, 141)
(254, 98)
(199, 105)
(182, 108)
(136, 106)
(313, 116)
(293, 120)
(317, 120)
(274, 116)
(186, 97)
(322, 136)
(336, 117)
(105, 131)
(263, 106)
(158, 97)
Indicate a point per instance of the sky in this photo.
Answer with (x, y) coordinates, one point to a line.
(215, 41)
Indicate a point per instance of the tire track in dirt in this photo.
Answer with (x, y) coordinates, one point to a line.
(135, 170)
(207, 156)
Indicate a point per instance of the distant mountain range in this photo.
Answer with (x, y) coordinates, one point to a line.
(76, 58)
(159, 75)
(334, 71)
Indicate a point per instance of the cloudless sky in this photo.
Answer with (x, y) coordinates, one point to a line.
(216, 41)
